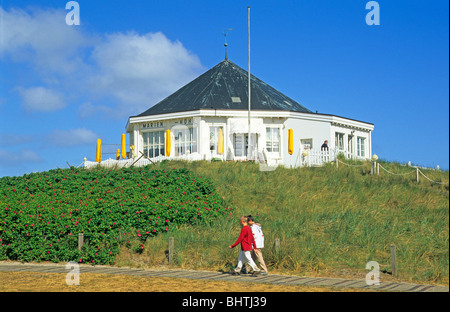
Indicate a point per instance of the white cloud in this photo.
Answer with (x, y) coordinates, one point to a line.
(139, 70)
(10, 158)
(130, 71)
(43, 37)
(40, 99)
(72, 137)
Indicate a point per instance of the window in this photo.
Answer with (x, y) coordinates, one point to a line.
(214, 139)
(339, 141)
(306, 143)
(154, 143)
(360, 144)
(273, 140)
(185, 140)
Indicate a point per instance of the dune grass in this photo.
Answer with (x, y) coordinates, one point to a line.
(330, 221)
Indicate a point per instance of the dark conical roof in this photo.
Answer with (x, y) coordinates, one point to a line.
(225, 86)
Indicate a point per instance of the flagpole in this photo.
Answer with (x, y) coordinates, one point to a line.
(249, 89)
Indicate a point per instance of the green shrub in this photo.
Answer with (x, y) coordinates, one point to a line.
(41, 214)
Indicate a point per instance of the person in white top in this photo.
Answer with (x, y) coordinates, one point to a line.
(259, 240)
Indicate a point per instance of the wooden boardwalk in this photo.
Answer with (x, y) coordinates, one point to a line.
(220, 276)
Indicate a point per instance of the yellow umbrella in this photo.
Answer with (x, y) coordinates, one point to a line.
(167, 142)
(124, 151)
(290, 141)
(98, 157)
(220, 147)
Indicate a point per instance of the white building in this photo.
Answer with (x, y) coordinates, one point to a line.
(208, 118)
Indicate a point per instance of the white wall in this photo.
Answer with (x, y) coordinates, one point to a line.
(349, 131)
(318, 131)
(317, 127)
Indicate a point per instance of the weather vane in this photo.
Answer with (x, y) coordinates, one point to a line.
(226, 44)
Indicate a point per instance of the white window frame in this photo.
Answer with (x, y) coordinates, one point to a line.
(305, 142)
(361, 146)
(339, 141)
(214, 139)
(185, 140)
(158, 143)
(271, 142)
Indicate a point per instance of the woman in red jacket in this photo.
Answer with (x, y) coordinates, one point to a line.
(246, 240)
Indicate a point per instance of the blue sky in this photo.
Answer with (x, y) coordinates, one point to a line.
(62, 87)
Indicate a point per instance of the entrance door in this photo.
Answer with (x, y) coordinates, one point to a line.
(240, 145)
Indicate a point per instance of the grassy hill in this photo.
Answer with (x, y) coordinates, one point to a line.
(329, 221)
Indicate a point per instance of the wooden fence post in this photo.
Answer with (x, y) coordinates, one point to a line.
(170, 250)
(277, 245)
(393, 261)
(417, 174)
(80, 240)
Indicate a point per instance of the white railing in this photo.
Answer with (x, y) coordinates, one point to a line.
(314, 157)
(138, 161)
(309, 157)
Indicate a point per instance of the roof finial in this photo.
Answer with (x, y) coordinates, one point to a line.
(226, 44)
